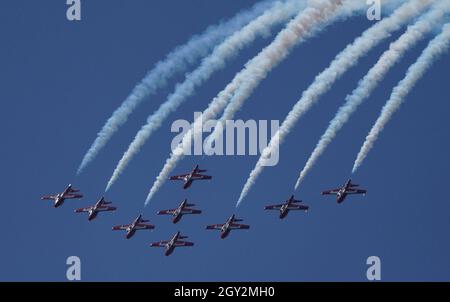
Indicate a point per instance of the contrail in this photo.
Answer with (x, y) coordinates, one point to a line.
(175, 62)
(305, 24)
(348, 58)
(396, 51)
(437, 47)
(261, 65)
(280, 12)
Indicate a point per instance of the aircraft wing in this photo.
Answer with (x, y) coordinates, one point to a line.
(298, 207)
(121, 227)
(191, 211)
(330, 192)
(358, 191)
(273, 207)
(214, 227)
(180, 243)
(166, 212)
(143, 226)
(106, 209)
(237, 226)
(72, 196)
(178, 177)
(48, 197)
(82, 210)
(159, 244)
(201, 177)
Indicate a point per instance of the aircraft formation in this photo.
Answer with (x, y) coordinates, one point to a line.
(186, 208)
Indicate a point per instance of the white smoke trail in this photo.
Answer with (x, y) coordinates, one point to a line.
(257, 70)
(396, 51)
(348, 58)
(280, 12)
(177, 61)
(305, 24)
(437, 47)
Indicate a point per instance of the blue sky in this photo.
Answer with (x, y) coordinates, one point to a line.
(61, 80)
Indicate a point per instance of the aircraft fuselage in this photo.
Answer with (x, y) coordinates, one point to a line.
(59, 201)
(130, 233)
(92, 215)
(225, 231)
(284, 211)
(170, 247)
(169, 250)
(177, 217)
(188, 182)
(341, 195)
(178, 214)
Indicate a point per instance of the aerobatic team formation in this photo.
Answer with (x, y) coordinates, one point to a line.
(186, 208)
(302, 20)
